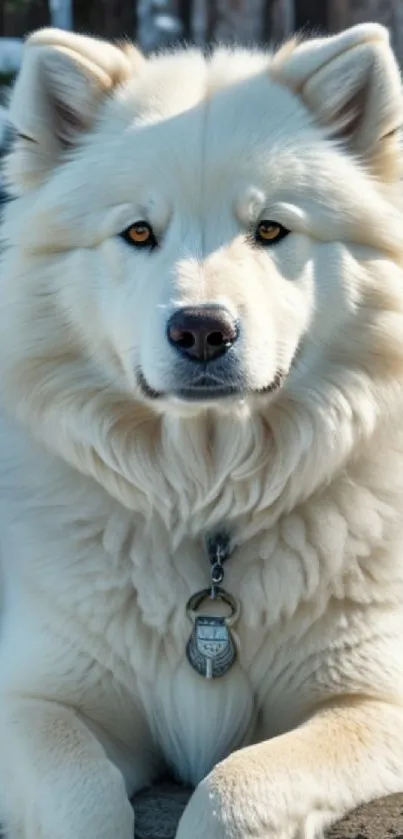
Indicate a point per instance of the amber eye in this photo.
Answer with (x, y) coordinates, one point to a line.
(269, 232)
(140, 235)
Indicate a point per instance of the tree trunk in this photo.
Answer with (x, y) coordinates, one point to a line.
(61, 14)
(338, 15)
(239, 20)
(397, 30)
(279, 20)
(311, 15)
(22, 18)
(119, 19)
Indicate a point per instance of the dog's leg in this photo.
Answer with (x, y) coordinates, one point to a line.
(348, 752)
(57, 781)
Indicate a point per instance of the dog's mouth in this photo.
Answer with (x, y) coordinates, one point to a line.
(207, 388)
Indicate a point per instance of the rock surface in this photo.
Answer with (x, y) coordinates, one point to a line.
(158, 811)
(381, 819)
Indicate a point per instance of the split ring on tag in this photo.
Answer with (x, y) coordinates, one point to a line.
(211, 649)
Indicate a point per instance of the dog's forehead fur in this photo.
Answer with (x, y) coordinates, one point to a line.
(188, 119)
(235, 89)
(172, 83)
(200, 135)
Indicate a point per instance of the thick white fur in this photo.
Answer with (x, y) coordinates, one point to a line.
(106, 498)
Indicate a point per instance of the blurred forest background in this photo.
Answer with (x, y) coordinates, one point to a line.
(156, 23)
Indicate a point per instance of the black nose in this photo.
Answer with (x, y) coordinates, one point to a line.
(203, 333)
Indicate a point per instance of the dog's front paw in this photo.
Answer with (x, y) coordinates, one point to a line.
(296, 785)
(238, 799)
(202, 816)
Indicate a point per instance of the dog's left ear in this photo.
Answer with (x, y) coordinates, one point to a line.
(63, 81)
(351, 83)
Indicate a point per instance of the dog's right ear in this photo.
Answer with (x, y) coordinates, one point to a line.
(351, 84)
(63, 80)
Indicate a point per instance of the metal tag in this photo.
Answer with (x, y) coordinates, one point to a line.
(211, 649)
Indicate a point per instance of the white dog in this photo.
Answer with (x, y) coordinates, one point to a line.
(201, 359)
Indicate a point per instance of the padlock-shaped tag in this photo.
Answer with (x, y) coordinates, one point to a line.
(211, 649)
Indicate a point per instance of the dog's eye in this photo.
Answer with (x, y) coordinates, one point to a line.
(270, 232)
(140, 235)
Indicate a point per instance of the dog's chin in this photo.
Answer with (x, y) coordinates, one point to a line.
(208, 391)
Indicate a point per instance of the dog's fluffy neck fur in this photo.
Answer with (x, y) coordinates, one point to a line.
(195, 473)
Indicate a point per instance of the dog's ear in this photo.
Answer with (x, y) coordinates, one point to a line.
(62, 82)
(351, 83)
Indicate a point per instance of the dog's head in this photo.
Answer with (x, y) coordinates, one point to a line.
(197, 233)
